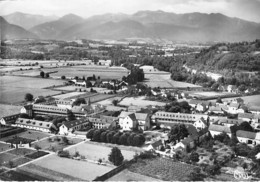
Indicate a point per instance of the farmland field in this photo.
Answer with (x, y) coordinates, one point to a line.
(95, 152)
(163, 169)
(104, 72)
(70, 95)
(139, 101)
(78, 169)
(98, 97)
(14, 88)
(163, 79)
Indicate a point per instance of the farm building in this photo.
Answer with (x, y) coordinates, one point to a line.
(166, 119)
(70, 126)
(34, 124)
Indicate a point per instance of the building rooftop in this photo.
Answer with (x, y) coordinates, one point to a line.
(246, 134)
(219, 128)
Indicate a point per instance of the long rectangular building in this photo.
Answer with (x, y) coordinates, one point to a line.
(170, 118)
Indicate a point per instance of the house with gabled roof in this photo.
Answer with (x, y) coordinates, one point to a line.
(184, 143)
(248, 137)
(200, 124)
(68, 127)
(155, 145)
(34, 124)
(135, 120)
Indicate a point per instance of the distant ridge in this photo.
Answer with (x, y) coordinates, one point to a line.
(10, 31)
(27, 21)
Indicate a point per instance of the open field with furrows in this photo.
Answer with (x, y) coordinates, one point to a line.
(13, 88)
(77, 169)
(163, 80)
(127, 175)
(140, 101)
(30, 134)
(163, 169)
(97, 151)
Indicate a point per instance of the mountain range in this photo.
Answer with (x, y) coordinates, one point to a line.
(27, 21)
(10, 31)
(149, 24)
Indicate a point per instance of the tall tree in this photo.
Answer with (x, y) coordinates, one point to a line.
(116, 156)
(28, 97)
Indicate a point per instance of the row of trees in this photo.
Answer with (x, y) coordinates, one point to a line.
(108, 136)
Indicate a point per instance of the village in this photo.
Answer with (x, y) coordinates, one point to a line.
(214, 135)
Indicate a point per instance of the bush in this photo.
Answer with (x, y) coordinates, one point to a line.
(63, 153)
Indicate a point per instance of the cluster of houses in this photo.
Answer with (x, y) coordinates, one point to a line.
(199, 124)
(109, 84)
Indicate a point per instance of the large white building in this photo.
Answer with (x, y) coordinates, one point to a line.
(167, 119)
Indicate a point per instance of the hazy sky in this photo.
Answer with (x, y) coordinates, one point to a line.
(245, 9)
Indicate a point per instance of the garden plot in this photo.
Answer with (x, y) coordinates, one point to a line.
(77, 169)
(15, 157)
(56, 143)
(4, 147)
(31, 135)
